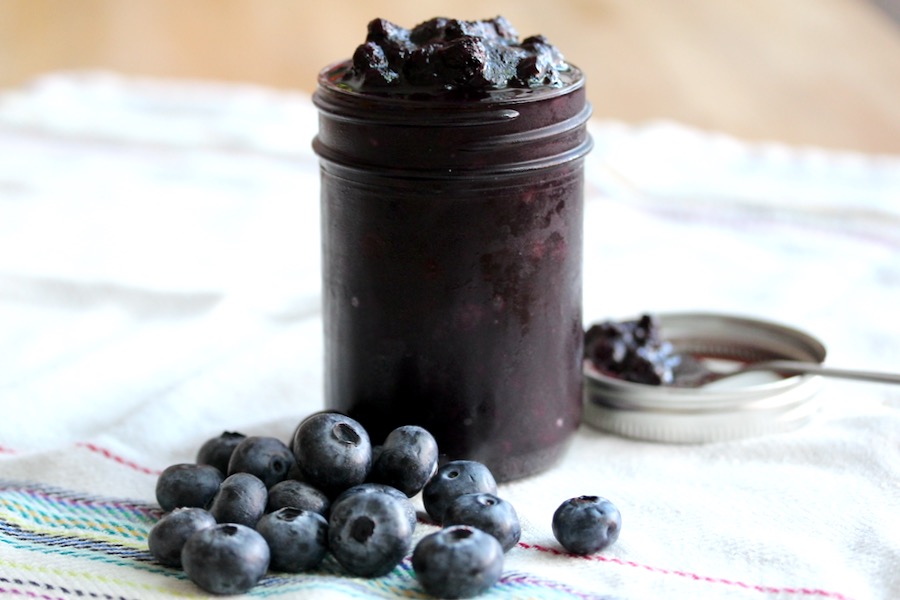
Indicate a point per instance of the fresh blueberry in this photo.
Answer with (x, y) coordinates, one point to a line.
(488, 513)
(369, 534)
(241, 499)
(458, 562)
(297, 538)
(407, 459)
(333, 452)
(297, 494)
(226, 559)
(586, 524)
(367, 488)
(166, 539)
(295, 473)
(217, 451)
(454, 479)
(376, 452)
(266, 457)
(187, 485)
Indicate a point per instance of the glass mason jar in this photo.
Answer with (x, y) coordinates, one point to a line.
(452, 255)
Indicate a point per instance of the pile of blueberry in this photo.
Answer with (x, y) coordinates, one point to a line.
(632, 350)
(452, 54)
(251, 503)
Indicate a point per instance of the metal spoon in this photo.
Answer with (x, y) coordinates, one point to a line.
(787, 367)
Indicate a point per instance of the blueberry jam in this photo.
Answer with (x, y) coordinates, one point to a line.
(452, 198)
(633, 350)
(451, 55)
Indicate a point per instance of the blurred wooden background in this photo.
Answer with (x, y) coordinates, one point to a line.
(806, 72)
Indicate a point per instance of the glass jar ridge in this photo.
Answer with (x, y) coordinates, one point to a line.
(505, 130)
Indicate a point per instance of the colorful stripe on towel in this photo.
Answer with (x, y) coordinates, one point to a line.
(66, 527)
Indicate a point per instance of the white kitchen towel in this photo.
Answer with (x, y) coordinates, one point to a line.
(159, 284)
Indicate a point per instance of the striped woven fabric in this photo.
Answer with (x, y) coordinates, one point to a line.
(47, 532)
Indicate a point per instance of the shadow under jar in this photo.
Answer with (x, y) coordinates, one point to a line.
(452, 255)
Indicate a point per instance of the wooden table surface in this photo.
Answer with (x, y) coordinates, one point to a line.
(805, 72)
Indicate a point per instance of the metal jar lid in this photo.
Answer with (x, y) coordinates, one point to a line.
(746, 405)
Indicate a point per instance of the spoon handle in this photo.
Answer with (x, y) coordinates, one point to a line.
(798, 367)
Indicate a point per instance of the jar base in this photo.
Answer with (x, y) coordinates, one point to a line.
(520, 466)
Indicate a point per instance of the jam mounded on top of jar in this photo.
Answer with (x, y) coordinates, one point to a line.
(444, 55)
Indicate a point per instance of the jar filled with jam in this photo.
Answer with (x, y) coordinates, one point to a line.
(452, 205)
